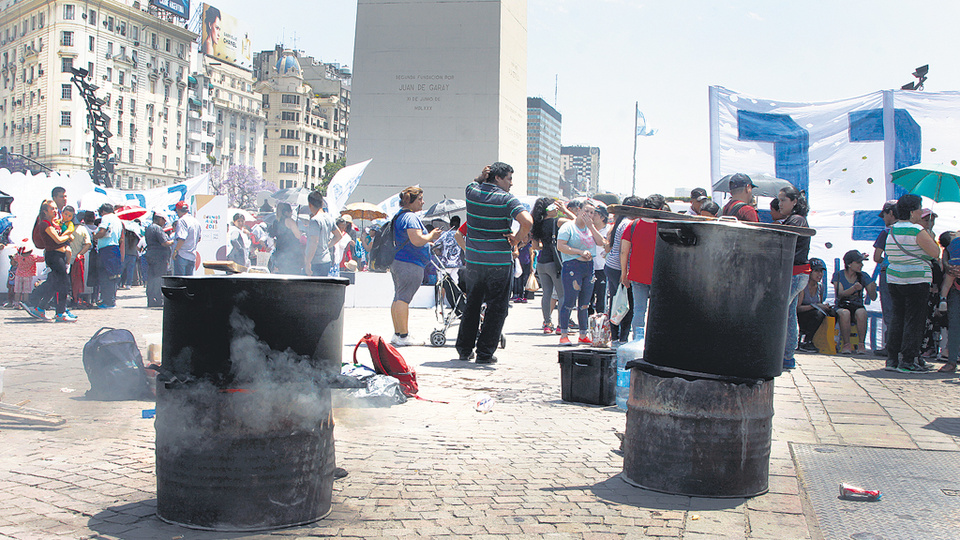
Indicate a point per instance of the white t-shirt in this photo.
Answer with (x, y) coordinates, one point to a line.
(599, 257)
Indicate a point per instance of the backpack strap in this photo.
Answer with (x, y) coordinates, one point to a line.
(363, 339)
(735, 208)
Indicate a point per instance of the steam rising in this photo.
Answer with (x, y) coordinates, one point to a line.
(272, 392)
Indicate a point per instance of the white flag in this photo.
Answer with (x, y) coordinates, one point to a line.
(342, 186)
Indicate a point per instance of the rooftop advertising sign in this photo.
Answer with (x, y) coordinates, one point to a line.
(225, 38)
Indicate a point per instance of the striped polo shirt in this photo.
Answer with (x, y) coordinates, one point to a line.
(908, 265)
(490, 212)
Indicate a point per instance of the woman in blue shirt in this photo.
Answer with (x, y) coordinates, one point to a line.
(576, 242)
(411, 239)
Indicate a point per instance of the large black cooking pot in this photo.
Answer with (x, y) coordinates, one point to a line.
(301, 313)
(718, 299)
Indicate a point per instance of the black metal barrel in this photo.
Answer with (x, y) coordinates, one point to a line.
(697, 437)
(242, 451)
(718, 299)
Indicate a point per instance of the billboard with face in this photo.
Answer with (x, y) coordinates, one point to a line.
(180, 8)
(225, 38)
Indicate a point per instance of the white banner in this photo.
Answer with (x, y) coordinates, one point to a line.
(342, 185)
(29, 191)
(841, 153)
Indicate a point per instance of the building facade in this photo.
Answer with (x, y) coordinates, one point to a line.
(586, 161)
(138, 59)
(225, 117)
(543, 149)
(439, 91)
(299, 137)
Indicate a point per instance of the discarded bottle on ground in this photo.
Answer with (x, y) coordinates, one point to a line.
(626, 353)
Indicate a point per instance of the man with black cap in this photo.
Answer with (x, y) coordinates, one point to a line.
(697, 197)
(741, 193)
(889, 216)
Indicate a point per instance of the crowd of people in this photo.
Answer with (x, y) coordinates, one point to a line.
(577, 254)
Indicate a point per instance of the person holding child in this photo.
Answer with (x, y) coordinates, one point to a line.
(849, 285)
(47, 233)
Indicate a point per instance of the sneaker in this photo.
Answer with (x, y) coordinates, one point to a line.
(65, 317)
(548, 328)
(523, 300)
(408, 341)
(564, 340)
(466, 357)
(36, 313)
(491, 360)
(910, 368)
(105, 306)
(789, 364)
(584, 340)
(943, 305)
(556, 331)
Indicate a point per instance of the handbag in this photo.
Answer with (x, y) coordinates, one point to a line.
(619, 306)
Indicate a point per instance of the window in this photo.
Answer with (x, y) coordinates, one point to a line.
(122, 27)
(66, 65)
(153, 40)
(166, 46)
(33, 22)
(288, 167)
(180, 50)
(135, 32)
(110, 74)
(120, 77)
(119, 130)
(66, 91)
(289, 98)
(110, 24)
(68, 12)
(131, 151)
(166, 91)
(66, 39)
(92, 17)
(110, 48)
(65, 146)
(289, 115)
(65, 118)
(90, 45)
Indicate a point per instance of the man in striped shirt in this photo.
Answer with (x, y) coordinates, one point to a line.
(491, 210)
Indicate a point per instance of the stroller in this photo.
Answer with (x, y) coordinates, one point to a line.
(450, 303)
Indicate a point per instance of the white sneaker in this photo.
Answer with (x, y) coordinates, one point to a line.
(408, 341)
(943, 305)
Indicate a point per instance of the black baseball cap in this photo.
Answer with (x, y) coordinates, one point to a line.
(698, 194)
(817, 264)
(853, 256)
(740, 180)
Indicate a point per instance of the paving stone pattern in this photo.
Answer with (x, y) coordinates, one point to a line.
(534, 467)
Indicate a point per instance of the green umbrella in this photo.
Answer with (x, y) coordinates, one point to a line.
(938, 182)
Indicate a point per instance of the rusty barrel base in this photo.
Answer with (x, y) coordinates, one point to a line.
(623, 476)
(227, 528)
(699, 438)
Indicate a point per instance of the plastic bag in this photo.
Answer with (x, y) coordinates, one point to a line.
(379, 391)
(619, 306)
(532, 284)
(517, 269)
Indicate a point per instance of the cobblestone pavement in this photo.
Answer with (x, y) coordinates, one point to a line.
(533, 467)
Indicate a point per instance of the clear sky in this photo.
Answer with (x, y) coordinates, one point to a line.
(599, 57)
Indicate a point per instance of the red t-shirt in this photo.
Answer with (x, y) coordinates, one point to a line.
(745, 213)
(40, 237)
(642, 236)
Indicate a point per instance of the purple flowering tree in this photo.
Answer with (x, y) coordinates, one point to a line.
(240, 184)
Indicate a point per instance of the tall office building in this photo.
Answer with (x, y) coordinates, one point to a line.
(586, 161)
(543, 149)
(135, 54)
(439, 91)
(300, 137)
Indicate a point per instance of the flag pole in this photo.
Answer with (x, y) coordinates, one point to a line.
(636, 112)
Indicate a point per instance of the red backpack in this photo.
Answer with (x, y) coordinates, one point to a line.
(387, 360)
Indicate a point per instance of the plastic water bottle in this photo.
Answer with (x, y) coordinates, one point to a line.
(626, 353)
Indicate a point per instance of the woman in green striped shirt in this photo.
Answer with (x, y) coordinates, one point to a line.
(910, 248)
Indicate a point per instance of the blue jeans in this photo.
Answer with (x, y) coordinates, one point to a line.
(320, 269)
(953, 317)
(797, 284)
(182, 267)
(618, 332)
(641, 293)
(128, 272)
(577, 278)
(907, 322)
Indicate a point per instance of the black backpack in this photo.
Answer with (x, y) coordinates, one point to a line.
(384, 248)
(114, 366)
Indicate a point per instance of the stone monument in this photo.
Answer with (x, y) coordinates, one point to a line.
(439, 91)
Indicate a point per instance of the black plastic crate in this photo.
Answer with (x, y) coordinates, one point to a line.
(588, 376)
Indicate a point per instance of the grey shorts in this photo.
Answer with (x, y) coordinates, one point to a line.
(407, 278)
